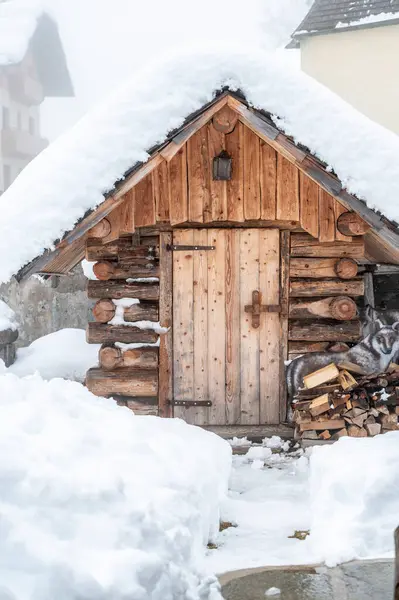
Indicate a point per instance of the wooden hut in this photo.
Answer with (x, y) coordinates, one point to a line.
(244, 247)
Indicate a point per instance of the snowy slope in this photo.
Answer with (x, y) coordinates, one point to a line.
(71, 175)
(100, 504)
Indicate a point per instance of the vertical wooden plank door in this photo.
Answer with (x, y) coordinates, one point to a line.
(219, 355)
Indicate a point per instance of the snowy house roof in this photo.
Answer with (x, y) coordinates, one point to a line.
(25, 26)
(83, 176)
(327, 16)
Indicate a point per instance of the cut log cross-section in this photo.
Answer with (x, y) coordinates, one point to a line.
(316, 268)
(341, 308)
(104, 311)
(350, 223)
(111, 357)
(101, 230)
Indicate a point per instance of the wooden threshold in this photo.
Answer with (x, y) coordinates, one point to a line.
(252, 432)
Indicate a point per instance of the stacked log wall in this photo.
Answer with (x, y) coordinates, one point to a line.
(326, 291)
(126, 268)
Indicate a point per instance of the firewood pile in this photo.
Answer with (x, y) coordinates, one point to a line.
(340, 400)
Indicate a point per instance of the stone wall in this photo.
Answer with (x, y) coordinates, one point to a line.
(45, 306)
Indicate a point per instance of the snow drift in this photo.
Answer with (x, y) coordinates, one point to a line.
(98, 503)
(64, 353)
(354, 495)
(72, 174)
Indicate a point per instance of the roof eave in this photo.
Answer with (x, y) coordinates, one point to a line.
(298, 37)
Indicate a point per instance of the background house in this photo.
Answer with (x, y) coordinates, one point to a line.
(32, 67)
(352, 47)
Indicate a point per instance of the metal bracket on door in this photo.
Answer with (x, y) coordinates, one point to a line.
(190, 403)
(176, 248)
(256, 308)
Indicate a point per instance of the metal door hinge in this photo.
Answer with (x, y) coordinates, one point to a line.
(190, 403)
(176, 248)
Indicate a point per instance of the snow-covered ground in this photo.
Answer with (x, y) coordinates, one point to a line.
(100, 504)
(64, 353)
(345, 496)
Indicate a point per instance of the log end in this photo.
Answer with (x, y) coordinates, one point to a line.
(346, 268)
(101, 230)
(104, 311)
(103, 270)
(110, 357)
(351, 224)
(343, 308)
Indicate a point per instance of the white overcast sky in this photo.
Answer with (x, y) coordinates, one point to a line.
(106, 41)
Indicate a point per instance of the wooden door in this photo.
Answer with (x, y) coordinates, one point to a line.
(219, 356)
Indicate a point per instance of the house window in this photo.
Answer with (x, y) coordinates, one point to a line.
(6, 176)
(32, 126)
(6, 117)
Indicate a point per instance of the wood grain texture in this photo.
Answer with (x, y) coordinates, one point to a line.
(332, 287)
(125, 381)
(235, 187)
(342, 308)
(339, 209)
(345, 331)
(160, 184)
(178, 192)
(198, 165)
(269, 350)
(287, 190)
(111, 357)
(218, 189)
(217, 326)
(232, 319)
(144, 214)
(183, 330)
(225, 120)
(122, 289)
(318, 268)
(326, 217)
(127, 213)
(306, 246)
(200, 415)
(284, 303)
(165, 372)
(268, 181)
(309, 205)
(95, 250)
(99, 333)
(249, 275)
(251, 175)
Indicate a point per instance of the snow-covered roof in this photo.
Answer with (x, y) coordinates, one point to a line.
(72, 175)
(326, 16)
(23, 25)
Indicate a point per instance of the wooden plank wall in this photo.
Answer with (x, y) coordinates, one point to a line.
(265, 188)
(316, 288)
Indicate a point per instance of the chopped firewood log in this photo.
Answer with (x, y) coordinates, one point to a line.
(340, 400)
(382, 381)
(383, 410)
(348, 404)
(389, 421)
(319, 391)
(346, 381)
(374, 412)
(302, 417)
(373, 428)
(397, 410)
(359, 421)
(354, 431)
(319, 405)
(351, 367)
(339, 434)
(325, 424)
(323, 375)
(355, 412)
(370, 420)
(393, 367)
(325, 435)
(360, 403)
(301, 405)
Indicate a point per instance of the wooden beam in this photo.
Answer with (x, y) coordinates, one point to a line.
(345, 331)
(317, 268)
(121, 289)
(332, 287)
(165, 394)
(106, 270)
(111, 357)
(350, 223)
(284, 303)
(125, 381)
(341, 308)
(306, 246)
(99, 333)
